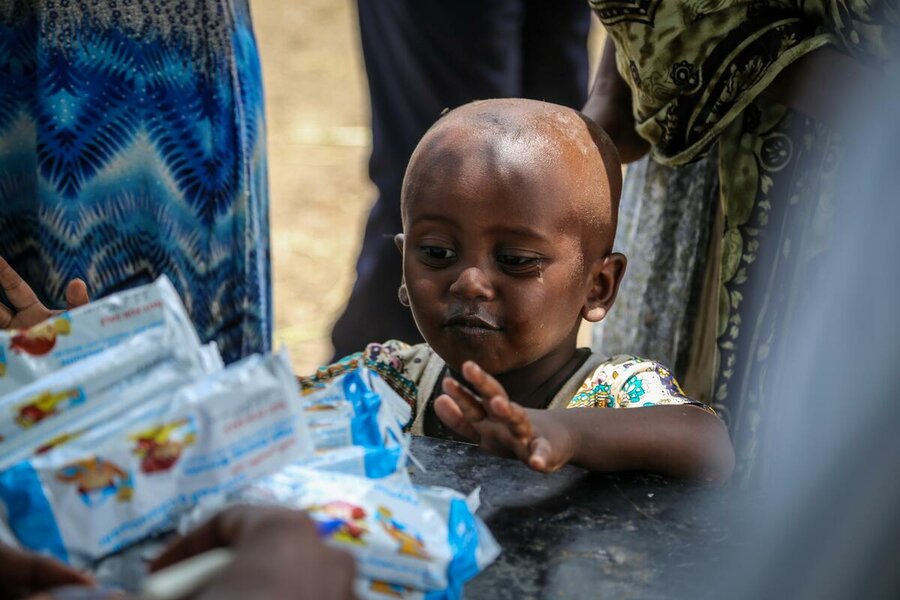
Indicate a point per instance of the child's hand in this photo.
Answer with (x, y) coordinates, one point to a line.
(26, 309)
(501, 426)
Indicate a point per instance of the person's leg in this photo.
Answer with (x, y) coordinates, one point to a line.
(554, 51)
(421, 57)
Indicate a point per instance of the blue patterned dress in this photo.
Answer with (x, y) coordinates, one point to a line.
(132, 144)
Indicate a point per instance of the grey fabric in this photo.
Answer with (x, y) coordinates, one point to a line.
(665, 218)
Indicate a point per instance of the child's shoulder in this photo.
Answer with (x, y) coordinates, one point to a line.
(400, 364)
(626, 381)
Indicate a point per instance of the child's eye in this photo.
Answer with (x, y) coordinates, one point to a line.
(437, 255)
(519, 264)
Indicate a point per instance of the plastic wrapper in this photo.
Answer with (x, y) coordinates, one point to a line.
(67, 402)
(426, 539)
(133, 476)
(29, 354)
(356, 409)
(374, 463)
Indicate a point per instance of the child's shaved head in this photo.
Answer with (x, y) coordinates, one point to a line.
(511, 137)
(509, 214)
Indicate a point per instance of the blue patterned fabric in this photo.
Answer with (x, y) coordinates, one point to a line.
(132, 144)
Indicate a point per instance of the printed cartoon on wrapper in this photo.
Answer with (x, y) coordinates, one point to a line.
(427, 539)
(131, 477)
(53, 409)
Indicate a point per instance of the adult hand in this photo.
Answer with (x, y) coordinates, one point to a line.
(499, 425)
(278, 555)
(26, 310)
(23, 573)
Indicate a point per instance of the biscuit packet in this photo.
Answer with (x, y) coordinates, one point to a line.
(465, 564)
(426, 539)
(131, 477)
(54, 408)
(348, 411)
(29, 354)
(374, 463)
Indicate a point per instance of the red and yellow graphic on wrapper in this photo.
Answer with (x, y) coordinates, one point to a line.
(340, 521)
(97, 479)
(58, 441)
(159, 448)
(47, 404)
(40, 339)
(411, 543)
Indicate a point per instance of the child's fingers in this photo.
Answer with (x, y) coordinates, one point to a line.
(449, 412)
(471, 408)
(541, 455)
(513, 415)
(484, 383)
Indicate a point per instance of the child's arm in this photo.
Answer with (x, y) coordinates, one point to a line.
(680, 441)
(26, 309)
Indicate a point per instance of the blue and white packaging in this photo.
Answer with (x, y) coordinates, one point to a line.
(374, 463)
(29, 354)
(133, 476)
(456, 509)
(356, 409)
(76, 397)
(427, 539)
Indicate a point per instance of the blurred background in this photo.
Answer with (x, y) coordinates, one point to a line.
(319, 142)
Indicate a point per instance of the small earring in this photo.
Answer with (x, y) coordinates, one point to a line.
(403, 295)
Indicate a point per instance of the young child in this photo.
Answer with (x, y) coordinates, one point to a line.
(509, 213)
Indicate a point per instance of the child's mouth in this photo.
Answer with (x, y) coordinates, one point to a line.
(470, 324)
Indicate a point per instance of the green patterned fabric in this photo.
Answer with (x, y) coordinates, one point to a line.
(695, 65)
(697, 69)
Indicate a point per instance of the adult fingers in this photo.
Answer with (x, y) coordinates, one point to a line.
(76, 294)
(231, 526)
(214, 533)
(449, 412)
(284, 564)
(24, 570)
(6, 317)
(472, 409)
(19, 293)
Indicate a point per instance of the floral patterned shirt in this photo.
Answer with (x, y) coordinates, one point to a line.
(414, 372)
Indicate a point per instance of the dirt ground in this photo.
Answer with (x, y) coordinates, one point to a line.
(319, 142)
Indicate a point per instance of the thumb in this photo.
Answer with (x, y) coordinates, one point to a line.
(76, 294)
(541, 456)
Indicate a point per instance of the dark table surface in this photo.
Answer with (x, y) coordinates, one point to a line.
(573, 534)
(569, 534)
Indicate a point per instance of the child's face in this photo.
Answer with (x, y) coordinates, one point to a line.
(494, 260)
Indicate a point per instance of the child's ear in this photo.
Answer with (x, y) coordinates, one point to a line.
(606, 274)
(402, 293)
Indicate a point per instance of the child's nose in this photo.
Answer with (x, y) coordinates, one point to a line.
(472, 284)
